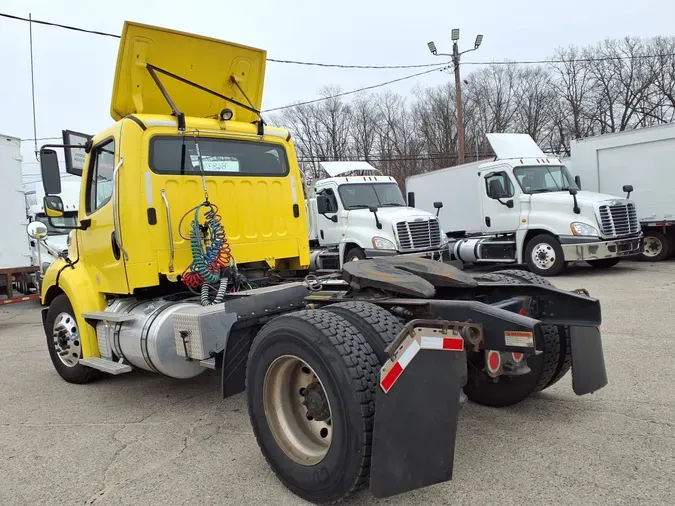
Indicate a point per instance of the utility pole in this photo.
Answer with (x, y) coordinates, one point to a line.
(456, 56)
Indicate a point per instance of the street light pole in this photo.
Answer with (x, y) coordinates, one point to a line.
(456, 55)
(458, 98)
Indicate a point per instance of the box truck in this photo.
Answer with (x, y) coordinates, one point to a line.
(524, 207)
(645, 160)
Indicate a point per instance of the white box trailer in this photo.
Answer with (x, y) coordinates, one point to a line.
(14, 250)
(645, 160)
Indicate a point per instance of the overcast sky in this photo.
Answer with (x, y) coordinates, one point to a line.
(74, 71)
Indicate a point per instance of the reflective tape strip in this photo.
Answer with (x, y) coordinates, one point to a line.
(428, 343)
(443, 343)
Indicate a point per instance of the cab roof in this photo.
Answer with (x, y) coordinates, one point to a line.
(208, 62)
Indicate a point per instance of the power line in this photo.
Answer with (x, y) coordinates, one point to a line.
(274, 60)
(357, 90)
(380, 67)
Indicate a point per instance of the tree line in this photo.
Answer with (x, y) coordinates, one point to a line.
(615, 85)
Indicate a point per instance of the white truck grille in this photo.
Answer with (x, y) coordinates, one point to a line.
(618, 220)
(418, 235)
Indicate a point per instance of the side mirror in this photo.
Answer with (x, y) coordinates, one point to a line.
(496, 190)
(628, 188)
(373, 209)
(411, 199)
(36, 230)
(509, 204)
(577, 181)
(322, 204)
(438, 206)
(51, 177)
(53, 206)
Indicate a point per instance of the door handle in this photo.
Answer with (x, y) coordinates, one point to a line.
(487, 221)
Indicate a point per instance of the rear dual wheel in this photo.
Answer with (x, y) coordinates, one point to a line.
(310, 381)
(546, 369)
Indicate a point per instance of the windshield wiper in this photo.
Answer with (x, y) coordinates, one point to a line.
(395, 204)
(542, 190)
(359, 206)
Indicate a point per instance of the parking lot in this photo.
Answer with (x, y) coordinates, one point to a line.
(144, 439)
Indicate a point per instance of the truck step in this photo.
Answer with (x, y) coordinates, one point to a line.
(107, 366)
(108, 316)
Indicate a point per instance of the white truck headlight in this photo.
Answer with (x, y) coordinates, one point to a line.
(382, 243)
(583, 229)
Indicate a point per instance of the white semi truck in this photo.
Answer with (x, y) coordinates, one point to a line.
(645, 159)
(357, 213)
(57, 238)
(524, 207)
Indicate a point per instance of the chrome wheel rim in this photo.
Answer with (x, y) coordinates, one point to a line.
(66, 339)
(543, 256)
(297, 410)
(653, 247)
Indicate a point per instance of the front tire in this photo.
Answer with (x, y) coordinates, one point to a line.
(64, 342)
(340, 369)
(544, 255)
(603, 263)
(354, 254)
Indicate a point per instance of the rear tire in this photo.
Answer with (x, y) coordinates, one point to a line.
(377, 325)
(546, 369)
(603, 263)
(62, 331)
(657, 247)
(544, 255)
(347, 369)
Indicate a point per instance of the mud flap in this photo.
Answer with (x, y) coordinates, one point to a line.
(416, 411)
(588, 362)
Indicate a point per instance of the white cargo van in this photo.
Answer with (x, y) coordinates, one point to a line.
(358, 213)
(645, 160)
(524, 207)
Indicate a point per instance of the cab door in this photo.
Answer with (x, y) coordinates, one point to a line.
(499, 192)
(98, 247)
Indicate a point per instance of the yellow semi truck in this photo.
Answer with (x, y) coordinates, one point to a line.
(191, 253)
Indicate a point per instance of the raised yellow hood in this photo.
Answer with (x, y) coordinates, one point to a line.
(202, 60)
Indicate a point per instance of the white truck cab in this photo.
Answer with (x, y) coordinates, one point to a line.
(525, 207)
(57, 239)
(358, 213)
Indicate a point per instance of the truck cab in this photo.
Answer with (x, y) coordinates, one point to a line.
(358, 213)
(57, 240)
(525, 207)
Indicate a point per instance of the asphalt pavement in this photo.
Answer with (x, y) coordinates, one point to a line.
(144, 439)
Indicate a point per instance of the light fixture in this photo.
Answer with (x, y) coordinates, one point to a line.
(455, 34)
(479, 39)
(226, 114)
(432, 47)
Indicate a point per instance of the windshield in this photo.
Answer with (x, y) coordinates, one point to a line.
(67, 220)
(362, 196)
(544, 178)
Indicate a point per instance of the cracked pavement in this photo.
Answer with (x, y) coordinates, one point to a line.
(141, 438)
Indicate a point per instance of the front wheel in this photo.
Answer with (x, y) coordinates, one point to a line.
(603, 263)
(544, 255)
(310, 383)
(64, 342)
(354, 254)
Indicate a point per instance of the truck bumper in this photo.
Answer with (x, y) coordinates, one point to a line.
(576, 249)
(442, 253)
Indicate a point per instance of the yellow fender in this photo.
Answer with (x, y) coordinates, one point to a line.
(75, 282)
